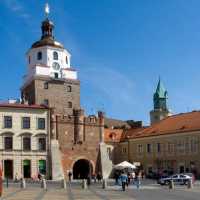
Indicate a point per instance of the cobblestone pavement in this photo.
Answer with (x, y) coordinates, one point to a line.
(148, 191)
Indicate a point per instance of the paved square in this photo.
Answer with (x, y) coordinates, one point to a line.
(150, 191)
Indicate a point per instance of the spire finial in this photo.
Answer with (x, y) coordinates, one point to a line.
(47, 9)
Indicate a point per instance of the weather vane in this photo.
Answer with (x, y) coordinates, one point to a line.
(47, 9)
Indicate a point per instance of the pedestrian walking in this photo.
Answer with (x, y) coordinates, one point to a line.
(116, 176)
(124, 180)
(88, 180)
(137, 181)
(70, 176)
(99, 177)
(94, 177)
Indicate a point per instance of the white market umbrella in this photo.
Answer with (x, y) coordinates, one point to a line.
(124, 165)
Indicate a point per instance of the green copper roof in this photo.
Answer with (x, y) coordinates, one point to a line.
(161, 92)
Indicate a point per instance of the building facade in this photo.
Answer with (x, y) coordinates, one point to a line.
(171, 144)
(24, 140)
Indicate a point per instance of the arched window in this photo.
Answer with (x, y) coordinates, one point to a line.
(69, 104)
(66, 60)
(55, 55)
(39, 55)
(69, 88)
(29, 59)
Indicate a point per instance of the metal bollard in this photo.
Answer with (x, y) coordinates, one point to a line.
(84, 184)
(63, 184)
(23, 183)
(104, 184)
(171, 184)
(44, 184)
(190, 184)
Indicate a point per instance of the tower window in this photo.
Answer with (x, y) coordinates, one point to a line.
(66, 60)
(69, 104)
(69, 88)
(46, 86)
(55, 55)
(39, 55)
(55, 75)
(29, 59)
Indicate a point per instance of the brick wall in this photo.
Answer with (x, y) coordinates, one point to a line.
(86, 148)
(57, 93)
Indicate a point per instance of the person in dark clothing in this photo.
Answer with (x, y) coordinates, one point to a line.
(88, 180)
(99, 177)
(94, 178)
(39, 176)
(128, 179)
(116, 177)
(124, 180)
(70, 176)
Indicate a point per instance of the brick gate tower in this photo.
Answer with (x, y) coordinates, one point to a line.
(74, 137)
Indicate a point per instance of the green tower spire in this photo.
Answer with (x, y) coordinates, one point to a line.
(160, 97)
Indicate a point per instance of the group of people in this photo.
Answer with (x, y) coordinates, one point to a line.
(121, 177)
(95, 177)
(127, 178)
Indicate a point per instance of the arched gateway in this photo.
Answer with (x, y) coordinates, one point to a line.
(82, 169)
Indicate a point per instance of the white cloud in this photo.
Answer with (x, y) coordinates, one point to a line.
(16, 7)
(113, 88)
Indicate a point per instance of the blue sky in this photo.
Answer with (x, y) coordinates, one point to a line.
(119, 47)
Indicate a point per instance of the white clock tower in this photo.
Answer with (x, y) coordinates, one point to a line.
(50, 78)
(48, 57)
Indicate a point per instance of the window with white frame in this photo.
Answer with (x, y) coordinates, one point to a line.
(140, 148)
(26, 143)
(123, 149)
(8, 143)
(26, 122)
(42, 144)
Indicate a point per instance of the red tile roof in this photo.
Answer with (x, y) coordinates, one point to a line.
(112, 135)
(17, 105)
(184, 122)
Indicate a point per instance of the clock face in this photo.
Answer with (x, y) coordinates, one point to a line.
(56, 66)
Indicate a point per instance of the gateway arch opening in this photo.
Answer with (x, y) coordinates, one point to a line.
(82, 169)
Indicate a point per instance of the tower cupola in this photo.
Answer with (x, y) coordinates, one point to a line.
(160, 110)
(48, 57)
(160, 97)
(47, 29)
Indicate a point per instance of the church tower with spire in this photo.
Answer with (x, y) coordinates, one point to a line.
(160, 110)
(50, 79)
